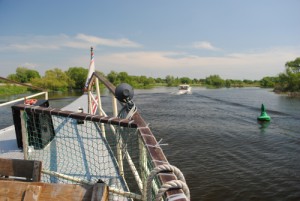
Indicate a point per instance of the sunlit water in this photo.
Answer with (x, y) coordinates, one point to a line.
(214, 138)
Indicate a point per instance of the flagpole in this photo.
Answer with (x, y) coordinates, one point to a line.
(87, 88)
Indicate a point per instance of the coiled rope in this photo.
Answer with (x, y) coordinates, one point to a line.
(174, 184)
(180, 183)
(128, 110)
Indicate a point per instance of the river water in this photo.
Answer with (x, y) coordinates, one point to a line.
(214, 138)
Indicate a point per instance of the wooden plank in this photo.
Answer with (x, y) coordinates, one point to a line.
(21, 168)
(24, 191)
(10, 191)
(32, 193)
(100, 192)
(36, 172)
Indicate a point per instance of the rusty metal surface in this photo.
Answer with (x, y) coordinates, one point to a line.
(78, 116)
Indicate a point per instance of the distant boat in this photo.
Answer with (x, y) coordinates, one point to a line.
(184, 89)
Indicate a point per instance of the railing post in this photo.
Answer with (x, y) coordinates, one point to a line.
(24, 135)
(119, 145)
(100, 106)
(120, 154)
(90, 109)
(143, 160)
(114, 105)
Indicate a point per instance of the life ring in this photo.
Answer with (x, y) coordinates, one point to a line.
(30, 101)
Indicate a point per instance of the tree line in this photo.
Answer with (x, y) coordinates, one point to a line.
(74, 79)
(287, 81)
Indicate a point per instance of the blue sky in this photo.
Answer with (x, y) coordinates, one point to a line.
(195, 38)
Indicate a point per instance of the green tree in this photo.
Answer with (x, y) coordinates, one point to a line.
(294, 66)
(113, 77)
(267, 82)
(170, 80)
(124, 77)
(228, 83)
(13, 77)
(24, 75)
(289, 81)
(215, 80)
(55, 80)
(78, 75)
(185, 80)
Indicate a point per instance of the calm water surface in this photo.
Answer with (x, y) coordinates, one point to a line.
(215, 139)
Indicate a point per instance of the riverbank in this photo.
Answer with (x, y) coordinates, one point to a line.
(289, 94)
(7, 89)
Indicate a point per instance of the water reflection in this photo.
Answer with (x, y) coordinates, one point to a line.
(263, 125)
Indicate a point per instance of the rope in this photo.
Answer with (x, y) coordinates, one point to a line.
(174, 184)
(180, 183)
(128, 108)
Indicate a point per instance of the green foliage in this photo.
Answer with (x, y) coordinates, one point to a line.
(228, 83)
(185, 80)
(75, 77)
(24, 75)
(289, 81)
(170, 80)
(13, 77)
(135, 81)
(293, 66)
(215, 81)
(268, 82)
(113, 77)
(12, 89)
(78, 75)
(55, 80)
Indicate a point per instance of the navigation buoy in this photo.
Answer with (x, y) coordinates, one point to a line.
(263, 116)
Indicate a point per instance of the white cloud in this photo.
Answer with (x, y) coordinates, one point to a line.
(123, 42)
(29, 65)
(253, 64)
(204, 45)
(25, 43)
(249, 65)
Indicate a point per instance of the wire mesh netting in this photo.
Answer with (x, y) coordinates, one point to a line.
(82, 151)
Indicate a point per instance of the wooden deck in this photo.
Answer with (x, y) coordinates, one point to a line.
(20, 181)
(35, 191)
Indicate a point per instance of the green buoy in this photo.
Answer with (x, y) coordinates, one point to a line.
(263, 116)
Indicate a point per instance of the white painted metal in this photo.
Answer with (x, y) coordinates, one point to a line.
(100, 106)
(114, 105)
(24, 136)
(22, 99)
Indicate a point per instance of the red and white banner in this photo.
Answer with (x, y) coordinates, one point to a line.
(91, 70)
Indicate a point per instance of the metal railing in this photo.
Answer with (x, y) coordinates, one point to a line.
(140, 161)
(151, 155)
(26, 97)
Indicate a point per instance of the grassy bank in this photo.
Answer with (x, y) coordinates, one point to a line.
(11, 90)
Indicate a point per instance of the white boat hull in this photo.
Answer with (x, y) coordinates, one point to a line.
(185, 91)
